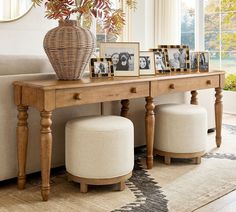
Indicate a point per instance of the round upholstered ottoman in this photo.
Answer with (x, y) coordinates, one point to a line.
(99, 150)
(180, 132)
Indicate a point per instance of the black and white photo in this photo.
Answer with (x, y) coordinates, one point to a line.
(199, 61)
(194, 61)
(146, 63)
(101, 67)
(160, 61)
(204, 61)
(124, 57)
(177, 57)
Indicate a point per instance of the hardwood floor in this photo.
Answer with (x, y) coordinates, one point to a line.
(226, 203)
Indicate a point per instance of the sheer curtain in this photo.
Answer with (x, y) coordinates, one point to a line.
(167, 22)
(10, 9)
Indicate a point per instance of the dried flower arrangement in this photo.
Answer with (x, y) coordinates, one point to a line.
(111, 20)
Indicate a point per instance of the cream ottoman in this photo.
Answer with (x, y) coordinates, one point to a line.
(181, 131)
(99, 150)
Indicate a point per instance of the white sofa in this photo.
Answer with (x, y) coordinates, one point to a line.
(14, 68)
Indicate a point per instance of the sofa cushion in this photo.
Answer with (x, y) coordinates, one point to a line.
(24, 64)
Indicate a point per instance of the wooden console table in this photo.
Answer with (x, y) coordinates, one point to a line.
(47, 95)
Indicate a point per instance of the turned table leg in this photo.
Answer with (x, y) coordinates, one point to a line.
(150, 126)
(22, 142)
(124, 108)
(218, 115)
(46, 152)
(194, 100)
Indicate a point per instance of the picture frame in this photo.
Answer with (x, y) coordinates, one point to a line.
(199, 61)
(124, 57)
(146, 63)
(204, 61)
(177, 57)
(101, 67)
(160, 61)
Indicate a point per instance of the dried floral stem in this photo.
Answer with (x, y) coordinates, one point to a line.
(111, 20)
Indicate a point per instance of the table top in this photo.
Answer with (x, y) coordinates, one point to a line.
(53, 84)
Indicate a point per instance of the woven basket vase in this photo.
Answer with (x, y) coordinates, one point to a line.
(69, 49)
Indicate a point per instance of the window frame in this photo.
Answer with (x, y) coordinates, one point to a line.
(200, 30)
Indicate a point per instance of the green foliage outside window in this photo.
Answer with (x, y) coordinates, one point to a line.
(220, 25)
(230, 82)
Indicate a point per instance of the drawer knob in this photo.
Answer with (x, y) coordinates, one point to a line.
(172, 86)
(77, 96)
(208, 82)
(133, 90)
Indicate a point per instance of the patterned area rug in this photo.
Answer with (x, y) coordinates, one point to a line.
(181, 186)
(185, 185)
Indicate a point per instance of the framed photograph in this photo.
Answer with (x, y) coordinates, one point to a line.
(146, 63)
(204, 60)
(124, 57)
(194, 61)
(160, 61)
(199, 61)
(101, 67)
(177, 57)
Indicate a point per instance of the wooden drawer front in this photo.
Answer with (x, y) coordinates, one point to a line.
(180, 85)
(78, 96)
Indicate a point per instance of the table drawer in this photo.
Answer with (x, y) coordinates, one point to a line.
(78, 96)
(161, 87)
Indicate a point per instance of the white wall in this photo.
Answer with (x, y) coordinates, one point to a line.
(25, 36)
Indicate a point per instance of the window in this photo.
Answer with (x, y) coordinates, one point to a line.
(188, 23)
(101, 35)
(218, 27)
(220, 33)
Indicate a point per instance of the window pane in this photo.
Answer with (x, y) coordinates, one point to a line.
(212, 41)
(188, 23)
(228, 21)
(188, 39)
(212, 6)
(228, 41)
(228, 61)
(228, 5)
(220, 34)
(215, 60)
(212, 22)
(101, 36)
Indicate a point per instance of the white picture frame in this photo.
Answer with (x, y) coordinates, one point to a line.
(124, 56)
(146, 63)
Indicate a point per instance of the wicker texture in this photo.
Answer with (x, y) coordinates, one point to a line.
(69, 49)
